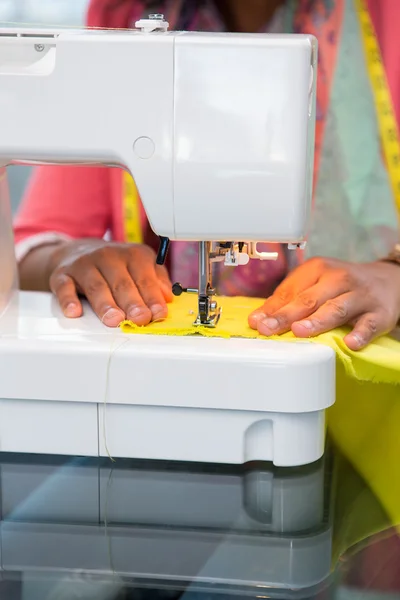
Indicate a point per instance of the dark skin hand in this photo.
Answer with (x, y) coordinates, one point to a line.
(324, 293)
(122, 281)
(321, 294)
(119, 281)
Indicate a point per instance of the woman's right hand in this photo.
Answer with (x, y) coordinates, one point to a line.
(120, 281)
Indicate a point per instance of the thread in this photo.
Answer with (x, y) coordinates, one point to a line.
(111, 354)
(108, 538)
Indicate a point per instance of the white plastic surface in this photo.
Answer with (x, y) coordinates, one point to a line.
(242, 136)
(196, 399)
(227, 115)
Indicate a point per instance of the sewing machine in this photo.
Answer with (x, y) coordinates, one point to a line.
(218, 132)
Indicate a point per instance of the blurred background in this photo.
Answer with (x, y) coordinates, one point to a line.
(33, 13)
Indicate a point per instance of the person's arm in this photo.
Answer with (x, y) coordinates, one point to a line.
(61, 204)
(59, 246)
(35, 266)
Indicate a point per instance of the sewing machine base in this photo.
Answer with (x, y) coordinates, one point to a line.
(74, 387)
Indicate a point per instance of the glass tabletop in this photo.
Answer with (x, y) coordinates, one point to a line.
(91, 528)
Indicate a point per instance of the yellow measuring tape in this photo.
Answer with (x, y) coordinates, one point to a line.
(131, 206)
(387, 123)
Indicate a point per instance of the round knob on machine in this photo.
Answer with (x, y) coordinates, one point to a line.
(177, 289)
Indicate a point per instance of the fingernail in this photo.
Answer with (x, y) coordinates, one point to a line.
(257, 316)
(112, 317)
(157, 310)
(137, 311)
(71, 309)
(357, 339)
(271, 323)
(305, 324)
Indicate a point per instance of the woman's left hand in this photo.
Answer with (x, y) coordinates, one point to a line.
(323, 293)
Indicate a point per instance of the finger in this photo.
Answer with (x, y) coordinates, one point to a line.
(334, 313)
(166, 284)
(367, 328)
(303, 305)
(125, 292)
(99, 296)
(256, 316)
(63, 287)
(144, 275)
(302, 278)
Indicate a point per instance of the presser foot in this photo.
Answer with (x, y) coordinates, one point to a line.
(209, 312)
(210, 321)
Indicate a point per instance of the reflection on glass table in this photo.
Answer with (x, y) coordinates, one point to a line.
(89, 528)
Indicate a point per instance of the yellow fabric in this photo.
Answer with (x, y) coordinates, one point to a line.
(380, 362)
(365, 424)
(358, 514)
(365, 420)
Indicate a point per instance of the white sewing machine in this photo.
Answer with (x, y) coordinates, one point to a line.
(218, 132)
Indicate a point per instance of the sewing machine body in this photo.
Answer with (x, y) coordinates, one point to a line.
(208, 168)
(223, 123)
